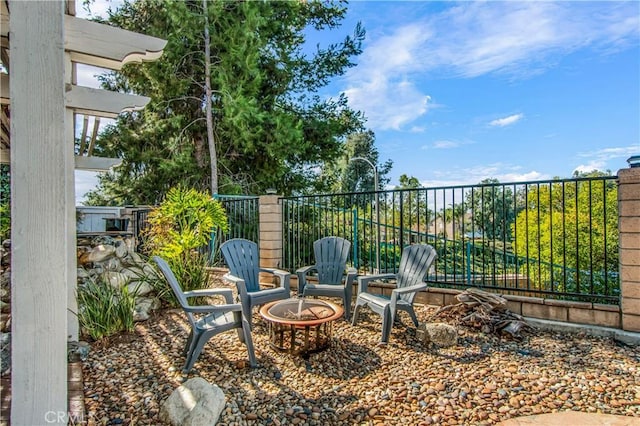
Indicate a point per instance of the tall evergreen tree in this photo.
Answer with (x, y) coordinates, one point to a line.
(344, 175)
(270, 126)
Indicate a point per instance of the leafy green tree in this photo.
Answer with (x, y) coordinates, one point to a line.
(345, 175)
(271, 128)
(416, 215)
(492, 208)
(571, 229)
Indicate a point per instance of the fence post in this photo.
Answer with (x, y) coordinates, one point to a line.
(354, 213)
(270, 245)
(629, 230)
(468, 255)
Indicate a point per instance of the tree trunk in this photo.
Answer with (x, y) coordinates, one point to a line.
(207, 104)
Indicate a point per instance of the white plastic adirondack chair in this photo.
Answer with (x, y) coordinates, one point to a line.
(243, 260)
(334, 278)
(414, 265)
(207, 321)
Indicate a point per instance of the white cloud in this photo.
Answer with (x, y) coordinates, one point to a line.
(475, 38)
(445, 144)
(505, 173)
(606, 159)
(505, 121)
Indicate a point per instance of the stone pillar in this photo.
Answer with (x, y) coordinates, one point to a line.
(629, 229)
(270, 232)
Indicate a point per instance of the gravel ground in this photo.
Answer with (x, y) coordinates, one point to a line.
(481, 381)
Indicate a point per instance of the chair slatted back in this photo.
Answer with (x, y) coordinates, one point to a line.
(243, 260)
(175, 285)
(331, 254)
(414, 264)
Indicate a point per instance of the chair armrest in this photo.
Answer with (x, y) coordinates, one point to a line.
(239, 283)
(306, 269)
(363, 281)
(410, 289)
(352, 273)
(235, 307)
(395, 294)
(283, 276)
(224, 292)
(302, 276)
(273, 271)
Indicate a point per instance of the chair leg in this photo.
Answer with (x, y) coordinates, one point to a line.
(413, 316)
(248, 341)
(347, 309)
(188, 343)
(387, 323)
(347, 303)
(246, 312)
(195, 353)
(356, 311)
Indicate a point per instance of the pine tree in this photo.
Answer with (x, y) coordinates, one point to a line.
(270, 126)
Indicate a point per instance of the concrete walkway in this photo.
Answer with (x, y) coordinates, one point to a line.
(571, 418)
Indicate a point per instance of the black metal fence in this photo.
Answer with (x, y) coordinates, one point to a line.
(244, 222)
(552, 239)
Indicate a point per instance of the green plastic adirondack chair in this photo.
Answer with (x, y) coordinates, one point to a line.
(414, 265)
(243, 260)
(334, 279)
(207, 321)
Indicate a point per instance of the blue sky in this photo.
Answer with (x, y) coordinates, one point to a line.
(457, 92)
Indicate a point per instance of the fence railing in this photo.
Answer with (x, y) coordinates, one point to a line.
(553, 239)
(243, 216)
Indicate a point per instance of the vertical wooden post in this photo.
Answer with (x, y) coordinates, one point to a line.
(629, 229)
(73, 326)
(42, 185)
(270, 232)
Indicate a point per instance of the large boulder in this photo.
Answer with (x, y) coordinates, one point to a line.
(195, 403)
(438, 333)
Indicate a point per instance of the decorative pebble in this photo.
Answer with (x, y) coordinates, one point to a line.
(483, 380)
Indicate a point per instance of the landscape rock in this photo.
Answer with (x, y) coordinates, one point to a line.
(116, 279)
(140, 288)
(101, 253)
(195, 403)
(438, 333)
(113, 260)
(143, 308)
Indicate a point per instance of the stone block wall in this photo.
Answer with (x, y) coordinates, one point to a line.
(629, 230)
(271, 253)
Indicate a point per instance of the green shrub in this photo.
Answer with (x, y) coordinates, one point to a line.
(180, 229)
(104, 310)
(5, 221)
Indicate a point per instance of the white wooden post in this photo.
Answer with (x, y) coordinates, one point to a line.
(42, 235)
